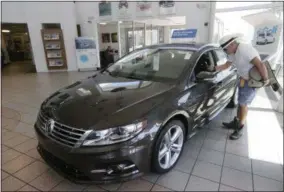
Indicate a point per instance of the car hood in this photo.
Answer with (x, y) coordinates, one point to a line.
(103, 101)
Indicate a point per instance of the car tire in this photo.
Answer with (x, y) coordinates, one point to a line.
(160, 165)
(234, 100)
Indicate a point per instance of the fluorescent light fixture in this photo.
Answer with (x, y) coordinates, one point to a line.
(103, 23)
(119, 21)
(5, 31)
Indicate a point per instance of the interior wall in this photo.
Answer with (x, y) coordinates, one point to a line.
(36, 13)
(196, 13)
(108, 28)
(68, 14)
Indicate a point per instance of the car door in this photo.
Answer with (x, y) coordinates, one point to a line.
(226, 83)
(199, 101)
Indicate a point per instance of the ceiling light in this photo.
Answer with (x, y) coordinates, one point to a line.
(5, 31)
(119, 21)
(103, 23)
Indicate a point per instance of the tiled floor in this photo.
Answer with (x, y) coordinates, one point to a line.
(210, 162)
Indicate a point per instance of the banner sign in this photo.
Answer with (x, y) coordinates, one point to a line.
(144, 8)
(123, 9)
(86, 53)
(105, 10)
(167, 7)
(184, 33)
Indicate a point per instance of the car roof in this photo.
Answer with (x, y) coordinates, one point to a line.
(186, 46)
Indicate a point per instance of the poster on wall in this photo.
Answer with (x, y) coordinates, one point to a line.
(144, 8)
(104, 9)
(167, 7)
(86, 53)
(267, 37)
(123, 9)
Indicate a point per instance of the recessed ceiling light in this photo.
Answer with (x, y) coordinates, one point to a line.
(103, 23)
(6, 31)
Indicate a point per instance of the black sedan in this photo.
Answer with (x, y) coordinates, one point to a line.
(135, 115)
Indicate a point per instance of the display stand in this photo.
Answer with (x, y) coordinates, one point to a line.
(54, 49)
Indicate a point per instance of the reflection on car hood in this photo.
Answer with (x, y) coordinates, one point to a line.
(104, 101)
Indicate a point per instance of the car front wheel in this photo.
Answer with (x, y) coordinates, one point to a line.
(168, 147)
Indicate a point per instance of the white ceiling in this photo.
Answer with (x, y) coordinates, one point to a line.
(260, 18)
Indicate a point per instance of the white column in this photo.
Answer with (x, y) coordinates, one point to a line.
(167, 34)
(118, 39)
(212, 21)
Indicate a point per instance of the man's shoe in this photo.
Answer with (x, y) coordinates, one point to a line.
(238, 131)
(236, 134)
(230, 125)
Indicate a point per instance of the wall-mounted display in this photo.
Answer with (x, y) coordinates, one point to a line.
(54, 49)
(144, 8)
(104, 8)
(53, 45)
(51, 36)
(167, 7)
(114, 38)
(55, 63)
(54, 54)
(105, 37)
(123, 9)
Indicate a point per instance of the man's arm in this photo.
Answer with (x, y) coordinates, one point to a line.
(260, 67)
(224, 66)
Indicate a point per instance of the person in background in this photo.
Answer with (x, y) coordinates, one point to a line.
(244, 57)
(108, 54)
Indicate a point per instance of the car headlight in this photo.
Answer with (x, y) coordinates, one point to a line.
(114, 135)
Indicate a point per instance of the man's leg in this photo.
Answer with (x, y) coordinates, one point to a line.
(246, 96)
(242, 113)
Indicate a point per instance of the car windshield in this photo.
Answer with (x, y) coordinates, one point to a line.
(152, 64)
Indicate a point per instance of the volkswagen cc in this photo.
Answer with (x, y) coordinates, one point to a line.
(135, 115)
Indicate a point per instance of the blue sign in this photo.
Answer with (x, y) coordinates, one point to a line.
(84, 58)
(184, 33)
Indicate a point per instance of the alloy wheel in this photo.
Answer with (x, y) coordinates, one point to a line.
(171, 146)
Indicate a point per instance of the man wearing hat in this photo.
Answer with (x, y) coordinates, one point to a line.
(243, 56)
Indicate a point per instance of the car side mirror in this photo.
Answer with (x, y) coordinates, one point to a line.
(206, 76)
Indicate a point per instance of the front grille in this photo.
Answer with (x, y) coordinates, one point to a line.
(67, 169)
(63, 134)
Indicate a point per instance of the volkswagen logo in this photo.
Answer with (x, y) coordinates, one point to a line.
(49, 126)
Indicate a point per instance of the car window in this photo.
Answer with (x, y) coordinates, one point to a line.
(221, 57)
(261, 34)
(152, 64)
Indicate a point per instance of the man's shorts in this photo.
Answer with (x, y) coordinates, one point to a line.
(246, 93)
